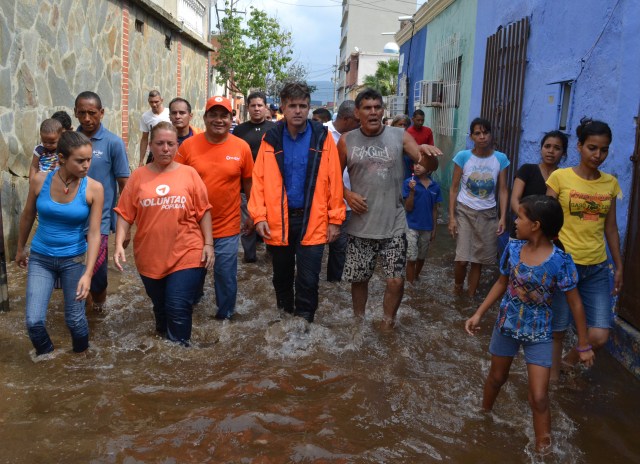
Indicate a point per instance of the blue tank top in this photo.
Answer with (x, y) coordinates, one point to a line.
(61, 226)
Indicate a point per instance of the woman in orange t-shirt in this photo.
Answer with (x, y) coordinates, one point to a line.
(173, 244)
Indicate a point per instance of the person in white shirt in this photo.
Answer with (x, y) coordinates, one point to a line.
(150, 118)
(345, 121)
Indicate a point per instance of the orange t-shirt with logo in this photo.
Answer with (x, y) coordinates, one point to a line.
(222, 166)
(166, 208)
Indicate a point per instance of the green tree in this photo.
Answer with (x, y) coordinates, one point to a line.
(250, 55)
(296, 72)
(385, 79)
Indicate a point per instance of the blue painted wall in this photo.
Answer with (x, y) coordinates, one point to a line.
(414, 61)
(591, 42)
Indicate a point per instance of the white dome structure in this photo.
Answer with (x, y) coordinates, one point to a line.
(391, 47)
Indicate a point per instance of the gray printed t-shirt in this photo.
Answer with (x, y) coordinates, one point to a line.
(376, 169)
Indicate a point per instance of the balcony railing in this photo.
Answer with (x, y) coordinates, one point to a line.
(191, 13)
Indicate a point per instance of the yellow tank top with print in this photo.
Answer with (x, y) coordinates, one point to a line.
(585, 204)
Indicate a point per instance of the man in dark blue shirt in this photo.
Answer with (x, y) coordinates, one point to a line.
(252, 131)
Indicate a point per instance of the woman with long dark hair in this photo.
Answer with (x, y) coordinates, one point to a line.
(64, 200)
(588, 199)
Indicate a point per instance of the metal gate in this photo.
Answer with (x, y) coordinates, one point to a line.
(503, 87)
(630, 299)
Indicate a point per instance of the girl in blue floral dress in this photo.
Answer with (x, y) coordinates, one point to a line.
(532, 269)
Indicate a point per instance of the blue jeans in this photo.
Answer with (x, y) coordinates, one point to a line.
(338, 253)
(173, 297)
(308, 260)
(42, 272)
(225, 274)
(594, 288)
(248, 241)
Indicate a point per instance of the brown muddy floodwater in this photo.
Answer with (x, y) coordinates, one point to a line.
(261, 389)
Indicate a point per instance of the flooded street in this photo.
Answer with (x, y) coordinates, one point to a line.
(263, 389)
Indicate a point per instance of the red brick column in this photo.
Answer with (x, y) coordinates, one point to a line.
(179, 70)
(125, 74)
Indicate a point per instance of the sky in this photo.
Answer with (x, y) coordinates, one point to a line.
(315, 28)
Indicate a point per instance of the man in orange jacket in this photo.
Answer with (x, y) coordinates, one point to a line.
(297, 200)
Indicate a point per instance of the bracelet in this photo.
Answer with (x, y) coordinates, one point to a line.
(588, 348)
(208, 244)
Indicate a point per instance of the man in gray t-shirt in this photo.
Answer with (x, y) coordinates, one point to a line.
(373, 158)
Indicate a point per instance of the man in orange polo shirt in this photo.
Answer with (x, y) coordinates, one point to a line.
(224, 163)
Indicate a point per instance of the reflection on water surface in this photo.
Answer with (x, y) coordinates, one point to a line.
(267, 389)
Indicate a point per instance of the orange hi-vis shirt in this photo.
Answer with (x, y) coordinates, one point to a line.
(166, 208)
(222, 166)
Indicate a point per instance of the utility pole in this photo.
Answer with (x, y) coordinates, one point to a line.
(335, 85)
(231, 11)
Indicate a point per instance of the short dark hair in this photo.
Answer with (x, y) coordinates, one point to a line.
(482, 122)
(178, 100)
(162, 125)
(545, 210)
(323, 113)
(345, 110)
(589, 127)
(257, 94)
(88, 95)
(295, 90)
(154, 93)
(368, 94)
(64, 119)
(70, 140)
(51, 126)
(418, 113)
(556, 134)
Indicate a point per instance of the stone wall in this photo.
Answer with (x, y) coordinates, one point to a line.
(51, 50)
(152, 66)
(194, 81)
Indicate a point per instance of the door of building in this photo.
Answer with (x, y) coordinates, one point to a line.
(630, 299)
(503, 87)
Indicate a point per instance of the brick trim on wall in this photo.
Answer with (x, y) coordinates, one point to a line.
(124, 103)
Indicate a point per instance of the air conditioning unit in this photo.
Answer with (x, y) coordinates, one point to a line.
(431, 93)
(396, 105)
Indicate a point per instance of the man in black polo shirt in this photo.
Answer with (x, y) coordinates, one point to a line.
(252, 132)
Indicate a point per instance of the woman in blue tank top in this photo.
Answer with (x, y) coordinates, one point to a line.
(65, 201)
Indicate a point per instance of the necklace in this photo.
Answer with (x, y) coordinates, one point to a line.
(66, 184)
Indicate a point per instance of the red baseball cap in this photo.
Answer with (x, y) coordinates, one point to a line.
(218, 101)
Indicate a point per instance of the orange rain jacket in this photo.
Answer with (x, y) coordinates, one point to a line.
(323, 196)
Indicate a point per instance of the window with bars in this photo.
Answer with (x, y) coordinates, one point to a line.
(449, 65)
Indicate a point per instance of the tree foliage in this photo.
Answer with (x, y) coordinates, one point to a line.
(296, 72)
(251, 54)
(385, 79)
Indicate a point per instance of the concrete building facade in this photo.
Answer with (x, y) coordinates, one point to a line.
(362, 28)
